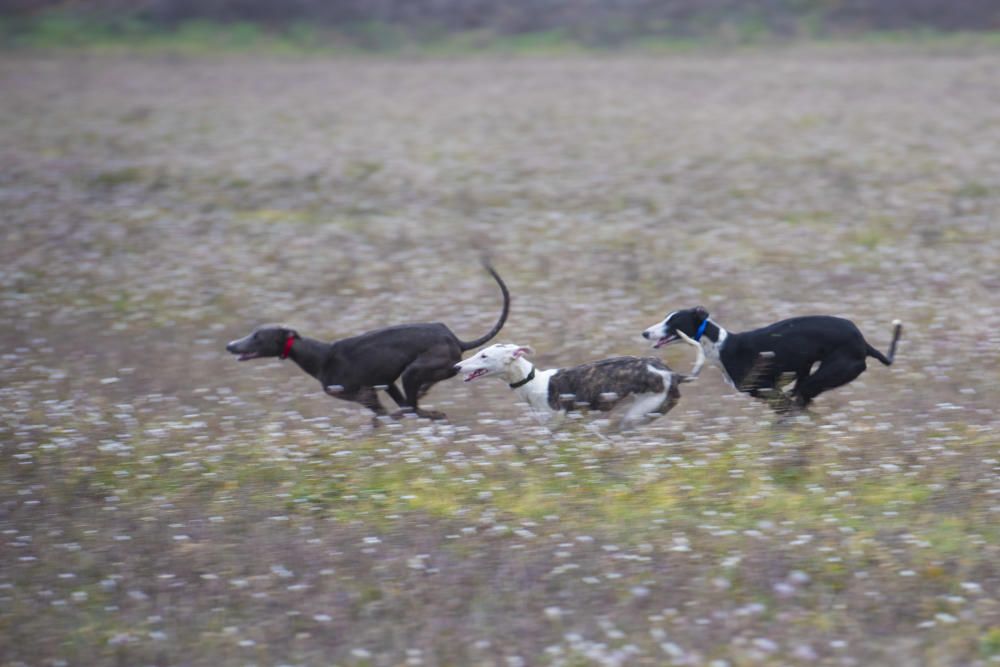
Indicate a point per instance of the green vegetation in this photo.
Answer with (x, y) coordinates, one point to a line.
(69, 31)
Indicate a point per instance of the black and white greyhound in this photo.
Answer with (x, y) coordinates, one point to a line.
(419, 355)
(759, 361)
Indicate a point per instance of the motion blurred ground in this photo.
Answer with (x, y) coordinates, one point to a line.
(163, 504)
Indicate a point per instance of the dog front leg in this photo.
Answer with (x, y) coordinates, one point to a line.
(368, 397)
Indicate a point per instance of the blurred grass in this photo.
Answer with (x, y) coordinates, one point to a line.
(193, 510)
(371, 476)
(66, 30)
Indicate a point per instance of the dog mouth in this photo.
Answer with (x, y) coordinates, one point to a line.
(666, 340)
(479, 372)
(247, 356)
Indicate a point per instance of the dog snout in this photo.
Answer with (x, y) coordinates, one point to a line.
(457, 368)
(645, 334)
(231, 347)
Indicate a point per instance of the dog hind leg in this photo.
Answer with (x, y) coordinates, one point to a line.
(834, 371)
(426, 370)
(644, 409)
(395, 394)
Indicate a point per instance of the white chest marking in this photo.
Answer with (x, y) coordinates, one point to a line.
(713, 350)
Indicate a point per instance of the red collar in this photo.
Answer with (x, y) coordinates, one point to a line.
(288, 347)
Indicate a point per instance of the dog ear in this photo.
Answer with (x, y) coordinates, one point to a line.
(523, 350)
(701, 313)
(290, 333)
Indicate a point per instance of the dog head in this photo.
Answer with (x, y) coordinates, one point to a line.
(270, 340)
(493, 360)
(688, 321)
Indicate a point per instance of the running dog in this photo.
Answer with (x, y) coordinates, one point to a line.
(755, 362)
(601, 385)
(351, 369)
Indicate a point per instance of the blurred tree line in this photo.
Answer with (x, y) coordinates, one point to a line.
(595, 22)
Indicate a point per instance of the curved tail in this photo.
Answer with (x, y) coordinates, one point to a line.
(699, 362)
(468, 345)
(897, 329)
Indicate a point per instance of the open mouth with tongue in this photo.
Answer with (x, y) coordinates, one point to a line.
(666, 340)
(479, 372)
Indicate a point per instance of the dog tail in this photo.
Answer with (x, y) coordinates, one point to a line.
(698, 363)
(468, 345)
(897, 329)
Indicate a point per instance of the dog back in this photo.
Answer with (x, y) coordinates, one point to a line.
(601, 384)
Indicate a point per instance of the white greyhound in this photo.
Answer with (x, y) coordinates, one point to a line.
(600, 385)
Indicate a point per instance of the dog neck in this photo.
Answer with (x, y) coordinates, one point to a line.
(712, 342)
(517, 371)
(309, 354)
(536, 390)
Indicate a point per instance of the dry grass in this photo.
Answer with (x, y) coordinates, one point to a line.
(162, 505)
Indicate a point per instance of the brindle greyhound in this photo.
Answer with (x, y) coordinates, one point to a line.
(420, 355)
(601, 385)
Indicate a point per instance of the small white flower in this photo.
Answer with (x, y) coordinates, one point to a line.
(281, 571)
(798, 577)
(784, 589)
(972, 587)
(672, 649)
(765, 644)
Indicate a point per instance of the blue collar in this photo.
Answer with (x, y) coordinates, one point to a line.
(701, 330)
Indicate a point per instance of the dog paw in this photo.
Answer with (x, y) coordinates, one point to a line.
(431, 414)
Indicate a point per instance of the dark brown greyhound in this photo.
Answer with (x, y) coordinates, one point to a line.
(419, 355)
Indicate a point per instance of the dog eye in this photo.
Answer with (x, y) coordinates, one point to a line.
(483, 356)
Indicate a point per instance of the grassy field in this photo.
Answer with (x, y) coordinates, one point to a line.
(164, 505)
